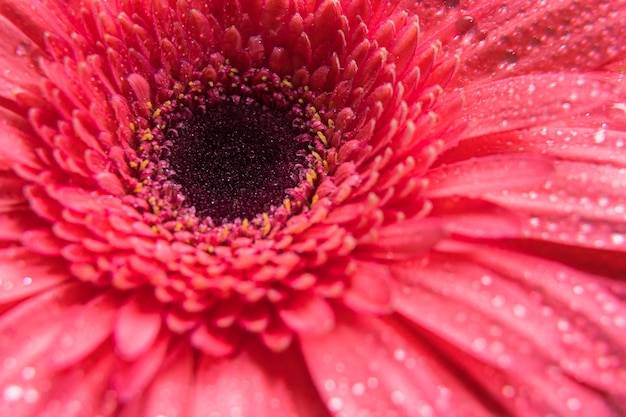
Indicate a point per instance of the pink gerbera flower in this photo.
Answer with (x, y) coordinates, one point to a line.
(312, 208)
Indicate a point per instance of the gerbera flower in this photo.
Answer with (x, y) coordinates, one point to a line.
(331, 208)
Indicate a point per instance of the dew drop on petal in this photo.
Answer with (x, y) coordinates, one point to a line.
(13, 393)
(464, 24)
(335, 404)
(398, 397)
(573, 404)
(358, 389)
(508, 391)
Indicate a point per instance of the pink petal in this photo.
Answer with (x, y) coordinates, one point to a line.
(524, 363)
(216, 341)
(16, 222)
(23, 274)
(550, 325)
(19, 324)
(131, 379)
(583, 205)
(375, 366)
(532, 100)
(307, 313)
(20, 72)
(78, 391)
(401, 240)
(369, 289)
(478, 176)
(169, 395)
(476, 218)
(512, 47)
(137, 325)
(581, 144)
(256, 383)
(86, 330)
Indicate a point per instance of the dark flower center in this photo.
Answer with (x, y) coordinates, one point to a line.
(236, 160)
(227, 155)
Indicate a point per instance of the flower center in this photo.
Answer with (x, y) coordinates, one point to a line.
(226, 155)
(236, 160)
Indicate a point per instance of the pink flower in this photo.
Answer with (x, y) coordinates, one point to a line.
(291, 208)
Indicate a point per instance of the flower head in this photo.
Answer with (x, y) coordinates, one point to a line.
(322, 208)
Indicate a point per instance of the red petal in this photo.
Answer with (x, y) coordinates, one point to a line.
(131, 379)
(169, 394)
(137, 325)
(532, 100)
(23, 274)
(86, 330)
(378, 366)
(256, 383)
(369, 289)
(478, 176)
(307, 313)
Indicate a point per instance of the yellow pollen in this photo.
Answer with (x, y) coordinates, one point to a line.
(143, 164)
(211, 84)
(288, 84)
(264, 78)
(133, 164)
(132, 127)
(268, 226)
(309, 178)
(331, 123)
(178, 227)
(147, 136)
(149, 104)
(287, 204)
(156, 113)
(180, 96)
(138, 187)
(244, 224)
(317, 156)
(306, 88)
(315, 199)
(322, 138)
(300, 101)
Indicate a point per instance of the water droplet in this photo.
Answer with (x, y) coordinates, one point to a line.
(335, 404)
(31, 395)
(329, 385)
(599, 136)
(399, 354)
(13, 393)
(519, 310)
(508, 391)
(479, 344)
(618, 238)
(27, 280)
(23, 48)
(358, 389)
(464, 24)
(510, 56)
(28, 373)
(573, 404)
(398, 397)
